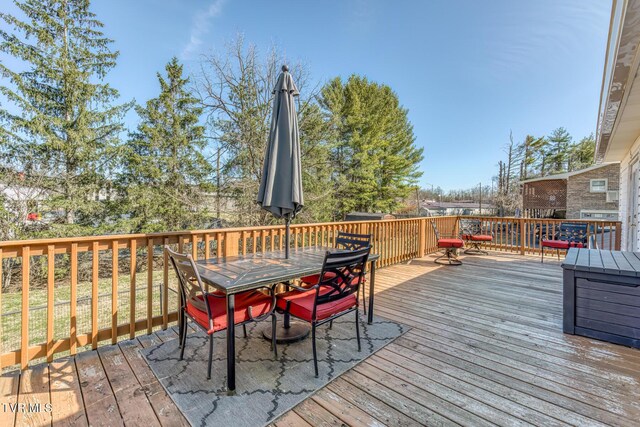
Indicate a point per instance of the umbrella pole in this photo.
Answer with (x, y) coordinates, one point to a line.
(287, 223)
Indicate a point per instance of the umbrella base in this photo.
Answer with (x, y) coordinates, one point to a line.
(297, 331)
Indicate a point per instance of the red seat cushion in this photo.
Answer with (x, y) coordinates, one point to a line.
(450, 243)
(302, 304)
(259, 302)
(481, 238)
(314, 278)
(561, 244)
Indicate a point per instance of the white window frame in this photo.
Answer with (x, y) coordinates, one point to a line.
(613, 192)
(598, 211)
(606, 185)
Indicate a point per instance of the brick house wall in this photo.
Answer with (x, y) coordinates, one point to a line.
(545, 194)
(579, 196)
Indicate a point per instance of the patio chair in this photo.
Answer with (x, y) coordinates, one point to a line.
(472, 233)
(450, 244)
(569, 235)
(333, 296)
(348, 241)
(211, 316)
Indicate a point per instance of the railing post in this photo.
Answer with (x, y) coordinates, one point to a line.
(618, 236)
(231, 244)
(522, 236)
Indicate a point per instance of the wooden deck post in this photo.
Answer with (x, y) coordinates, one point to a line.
(422, 234)
(618, 236)
(231, 246)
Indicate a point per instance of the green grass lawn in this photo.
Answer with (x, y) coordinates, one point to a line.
(12, 308)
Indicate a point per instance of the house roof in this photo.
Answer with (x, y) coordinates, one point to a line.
(618, 125)
(456, 205)
(568, 174)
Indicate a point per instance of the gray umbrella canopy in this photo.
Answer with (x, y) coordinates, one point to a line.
(281, 186)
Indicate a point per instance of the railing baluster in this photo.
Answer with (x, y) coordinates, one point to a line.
(132, 288)
(95, 268)
(150, 283)
(254, 241)
(114, 292)
(51, 271)
(1, 329)
(73, 299)
(165, 282)
(24, 340)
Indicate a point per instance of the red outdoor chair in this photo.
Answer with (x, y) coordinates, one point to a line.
(569, 235)
(351, 242)
(473, 235)
(211, 317)
(333, 296)
(450, 244)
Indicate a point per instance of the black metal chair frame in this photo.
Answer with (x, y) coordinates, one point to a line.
(347, 275)
(187, 273)
(450, 254)
(352, 242)
(574, 233)
(472, 227)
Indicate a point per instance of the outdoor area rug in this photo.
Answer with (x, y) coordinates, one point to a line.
(266, 387)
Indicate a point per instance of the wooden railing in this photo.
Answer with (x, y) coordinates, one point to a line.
(523, 235)
(82, 268)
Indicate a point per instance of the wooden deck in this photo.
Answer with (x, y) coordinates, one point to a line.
(486, 348)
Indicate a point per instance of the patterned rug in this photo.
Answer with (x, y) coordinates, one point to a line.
(266, 387)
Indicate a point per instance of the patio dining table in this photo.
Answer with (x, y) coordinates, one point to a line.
(233, 275)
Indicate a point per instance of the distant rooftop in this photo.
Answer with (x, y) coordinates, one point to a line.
(568, 174)
(456, 205)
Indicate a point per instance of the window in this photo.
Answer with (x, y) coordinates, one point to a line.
(598, 186)
(599, 215)
(612, 196)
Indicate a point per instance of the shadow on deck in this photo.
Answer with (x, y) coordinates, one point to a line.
(486, 347)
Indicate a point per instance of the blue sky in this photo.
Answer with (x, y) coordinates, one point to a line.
(469, 71)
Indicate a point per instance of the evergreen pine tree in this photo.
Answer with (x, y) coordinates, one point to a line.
(166, 175)
(582, 154)
(375, 158)
(559, 143)
(58, 119)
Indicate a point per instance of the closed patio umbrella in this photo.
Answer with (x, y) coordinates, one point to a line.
(281, 186)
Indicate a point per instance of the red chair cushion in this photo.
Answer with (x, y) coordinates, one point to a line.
(314, 278)
(481, 238)
(561, 244)
(302, 304)
(259, 302)
(450, 243)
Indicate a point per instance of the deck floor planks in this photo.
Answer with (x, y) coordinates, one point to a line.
(34, 394)
(66, 396)
(587, 371)
(380, 410)
(291, 419)
(101, 406)
(545, 389)
(9, 386)
(132, 401)
(316, 415)
(425, 408)
(167, 412)
(486, 348)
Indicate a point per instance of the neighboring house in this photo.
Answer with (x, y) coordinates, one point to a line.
(590, 193)
(456, 208)
(618, 132)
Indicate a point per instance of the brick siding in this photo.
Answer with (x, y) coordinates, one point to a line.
(580, 197)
